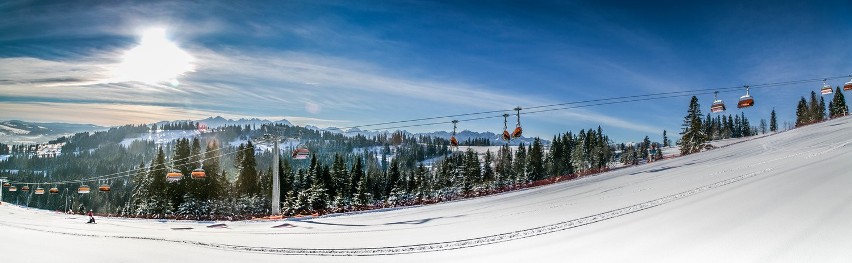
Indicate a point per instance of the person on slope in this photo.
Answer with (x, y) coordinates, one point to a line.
(91, 217)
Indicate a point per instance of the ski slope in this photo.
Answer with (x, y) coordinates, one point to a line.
(780, 198)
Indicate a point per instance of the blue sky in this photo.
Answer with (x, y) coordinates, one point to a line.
(349, 63)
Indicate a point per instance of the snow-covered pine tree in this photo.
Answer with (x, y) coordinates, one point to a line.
(578, 158)
(692, 136)
(141, 184)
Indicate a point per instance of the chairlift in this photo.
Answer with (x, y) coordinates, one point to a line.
(53, 190)
(39, 191)
(301, 153)
(718, 105)
(25, 188)
(506, 136)
(198, 174)
(7, 185)
(826, 89)
(518, 131)
(104, 188)
(746, 100)
(13, 189)
(453, 141)
(84, 189)
(174, 176)
(847, 86)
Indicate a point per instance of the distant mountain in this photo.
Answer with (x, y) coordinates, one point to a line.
(22, 132)
(219, 121)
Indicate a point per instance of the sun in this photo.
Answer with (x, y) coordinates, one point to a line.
(154, 60)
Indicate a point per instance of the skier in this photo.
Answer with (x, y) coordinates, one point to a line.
(91, 217)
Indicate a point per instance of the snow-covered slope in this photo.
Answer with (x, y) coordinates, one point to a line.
(22, 132)
(781, 198)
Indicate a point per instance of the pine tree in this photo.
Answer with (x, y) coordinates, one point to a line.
(141, 185)
(394, 175)
(247, 181)
(339, 176)
(357, 175)
(578, 157)
(643, 149)
(773, 122)
(708, 126)
(504, 166)
(213, 187)
(838, 103)
(287, 178)
(420, 182)
(666, 142)
(692, 137)
(472, 172)
(520, 165)
(813, 109)
(158, 202)
(362, 193)
(535, 165)
(802, 113)
(555, 156)
(487, 171)
(744, 125)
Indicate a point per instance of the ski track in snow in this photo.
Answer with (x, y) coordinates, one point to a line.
(438, 246)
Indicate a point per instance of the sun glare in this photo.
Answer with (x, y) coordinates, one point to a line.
(154, 60)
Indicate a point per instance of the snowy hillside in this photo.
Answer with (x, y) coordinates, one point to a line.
(21, 132)
(219, 121)
(780, 198)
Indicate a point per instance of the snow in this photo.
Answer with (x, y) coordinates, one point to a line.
(779, 198)
(50, 149)
(14, 130)
(161, 136)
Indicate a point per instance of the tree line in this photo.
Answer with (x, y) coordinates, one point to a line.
(814, 110)
(342, 174)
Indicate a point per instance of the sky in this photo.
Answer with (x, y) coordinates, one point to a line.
(353, 63)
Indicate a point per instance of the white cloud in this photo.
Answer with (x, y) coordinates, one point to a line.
(263, 83)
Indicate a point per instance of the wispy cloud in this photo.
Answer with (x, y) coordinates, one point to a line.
(309, 86)
(262, 83)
